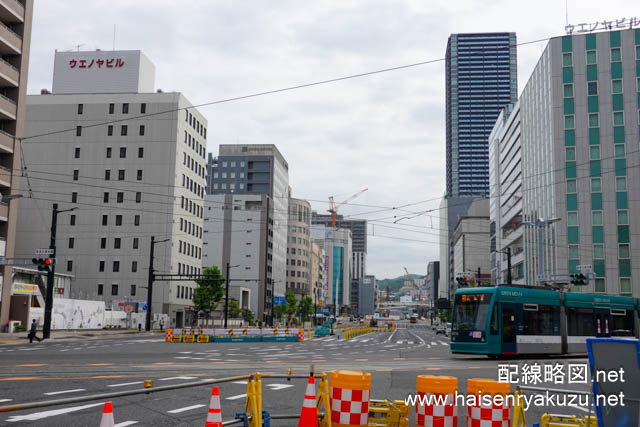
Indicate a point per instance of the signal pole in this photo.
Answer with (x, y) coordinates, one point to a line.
(150, 280)
(48, 303)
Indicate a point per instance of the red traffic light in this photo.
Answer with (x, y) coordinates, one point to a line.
(466, 279)
(47, 261)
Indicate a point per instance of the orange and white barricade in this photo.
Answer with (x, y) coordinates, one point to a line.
(214, 417)
(487, 412)
(349, 392)
(107, 416)
(300, 335)
(437, 404)
(168, 334)
(309, 413)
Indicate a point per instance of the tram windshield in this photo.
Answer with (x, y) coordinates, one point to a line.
(470, 316)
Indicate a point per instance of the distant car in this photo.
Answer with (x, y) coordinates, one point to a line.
(621, 333)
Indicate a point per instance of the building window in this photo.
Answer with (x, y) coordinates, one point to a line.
(141, 130)
(569, 122)
(571, 186)
(111, 108)
(143, 108)
(570, 153)
(76, 173)
(125, 108)
(139, 175)
(621, 183)
(74, 197)
(134, 266)
(123, 152)
(103, 243)
(120, 197)
(101, 266)
(592, 88)
(136, 220)
(592, 57)
(120, 174)
(625, 286)
(594, 120)
(596, 185)
(100, 289)
(135, 243)
(118, 219)
(71, 242)
(72, 219)
(107, 174)
(596, 218)
(117, 243)
(616, 56)
(78, 130)
(110, 130)
(594, 152)
(140, 152)
(116, 266)
(123, 130)
(108, 152)
(76, 153)
(114, 290)
(567, 59)
(105, 197)
(138, 197)
(623, 217)
(616, 86)
(105, 219)
(572, 218)
(618, 118)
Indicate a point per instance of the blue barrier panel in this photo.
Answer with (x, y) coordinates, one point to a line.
(280, 339)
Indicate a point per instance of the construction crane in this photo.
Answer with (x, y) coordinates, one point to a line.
(333, 208)
(411, 282)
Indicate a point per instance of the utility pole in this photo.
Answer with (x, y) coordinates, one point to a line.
(48, 302)
(150, 286)
(509, 278)
(226, 297)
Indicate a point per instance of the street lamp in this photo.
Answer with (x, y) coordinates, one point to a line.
(541, 224)
(150, 283)
(226, 294)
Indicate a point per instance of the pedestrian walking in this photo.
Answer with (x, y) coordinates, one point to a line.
(161, 325)
(32, 331)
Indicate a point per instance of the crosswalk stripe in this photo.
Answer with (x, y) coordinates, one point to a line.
(125, 424)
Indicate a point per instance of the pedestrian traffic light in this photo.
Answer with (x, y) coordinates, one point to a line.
(43, 264)
(579, 279)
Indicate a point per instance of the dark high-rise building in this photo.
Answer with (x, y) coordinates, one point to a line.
(481, 80)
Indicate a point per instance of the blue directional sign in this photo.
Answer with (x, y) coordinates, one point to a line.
(279, 301)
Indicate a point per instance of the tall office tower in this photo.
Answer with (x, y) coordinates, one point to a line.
(358, 229)
(15, 40)
(259, 169)
(337, 243)
(481, 79)
(132, 163)
(579, 114)
(299, 248)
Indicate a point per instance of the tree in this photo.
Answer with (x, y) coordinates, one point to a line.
(305, 308)
(291, 305)
(234, 308)
(209, 292)
(279, 309)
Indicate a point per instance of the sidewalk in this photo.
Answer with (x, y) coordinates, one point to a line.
(21, 337)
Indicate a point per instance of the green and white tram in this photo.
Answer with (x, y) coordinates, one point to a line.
(510, 320)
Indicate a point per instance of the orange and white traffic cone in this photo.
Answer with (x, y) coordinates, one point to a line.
(214, 417)
(107, 416)
(309, 414)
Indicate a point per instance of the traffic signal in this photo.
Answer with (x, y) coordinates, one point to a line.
(43, 264)
(463, 281)
(579, 279)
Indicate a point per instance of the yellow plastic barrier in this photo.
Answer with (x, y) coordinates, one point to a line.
(481, 386)
(349, 392)
(548, 420)
(433, 414)
(386, 413)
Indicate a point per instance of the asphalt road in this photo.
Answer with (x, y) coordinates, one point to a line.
(83, 367)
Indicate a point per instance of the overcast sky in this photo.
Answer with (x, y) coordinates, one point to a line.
(384, 132)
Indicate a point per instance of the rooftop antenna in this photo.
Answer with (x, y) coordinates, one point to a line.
(78, 46)
(114, 37)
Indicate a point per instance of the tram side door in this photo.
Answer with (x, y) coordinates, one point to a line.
(508, 318)
(602, 322)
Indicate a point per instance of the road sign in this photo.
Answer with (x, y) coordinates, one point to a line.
(44, 251)
(128, 308)
(279, 301)
(583, 267)
(144, 307)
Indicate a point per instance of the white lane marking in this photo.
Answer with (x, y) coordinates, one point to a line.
(5, 400)
(185, 352)
(40, 415)
(51, 393)
(434, 343)
(391, 336)
(176, 378)
(125, 424)
(444, 343)
(239, 396)
(241, 382)
(186, 408)
(125, 384)
(409, 342)
(276, 387)
(400, 342)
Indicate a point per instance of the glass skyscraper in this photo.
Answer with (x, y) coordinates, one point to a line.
(481, 80)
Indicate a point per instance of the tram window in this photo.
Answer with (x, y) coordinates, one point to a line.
(581, 322)
(494, 320)
(621, 320)
(539, 320)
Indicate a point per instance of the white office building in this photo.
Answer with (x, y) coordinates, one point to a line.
(131, 163)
